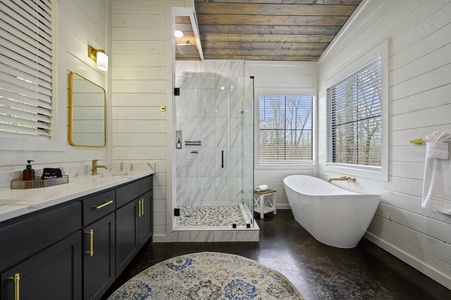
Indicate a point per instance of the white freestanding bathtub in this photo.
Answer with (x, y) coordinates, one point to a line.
(334, 216)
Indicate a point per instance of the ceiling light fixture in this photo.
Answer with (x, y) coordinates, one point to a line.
(178, 33)
(100, 57)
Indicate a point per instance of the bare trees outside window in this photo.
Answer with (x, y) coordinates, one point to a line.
(285, 129)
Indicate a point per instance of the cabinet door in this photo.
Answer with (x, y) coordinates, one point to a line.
(99, 257)
(54, 273)
(145, 218)
(126, 235)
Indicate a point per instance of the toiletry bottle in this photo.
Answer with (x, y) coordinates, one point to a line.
(179, 144)
(28, 173)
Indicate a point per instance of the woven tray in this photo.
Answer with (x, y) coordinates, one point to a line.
(34, 184)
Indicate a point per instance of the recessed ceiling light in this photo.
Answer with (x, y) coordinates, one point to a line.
(178, 33)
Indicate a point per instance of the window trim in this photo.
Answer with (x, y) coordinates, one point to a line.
(376, 173)
(282, 166)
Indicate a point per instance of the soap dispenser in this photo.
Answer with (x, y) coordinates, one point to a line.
(28, 173)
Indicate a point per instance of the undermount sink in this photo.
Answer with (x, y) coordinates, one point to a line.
(114, 174)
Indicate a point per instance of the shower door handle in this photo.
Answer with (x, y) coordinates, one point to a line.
(222, 159)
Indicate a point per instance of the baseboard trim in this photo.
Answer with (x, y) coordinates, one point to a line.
(432, 273)
(159, 238)
(283, 206)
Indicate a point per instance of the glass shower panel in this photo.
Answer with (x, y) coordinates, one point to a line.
(248, 147)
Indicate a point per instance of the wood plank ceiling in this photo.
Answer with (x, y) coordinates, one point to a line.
(269, 30)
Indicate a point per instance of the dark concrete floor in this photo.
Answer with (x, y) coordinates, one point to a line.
(317, 270)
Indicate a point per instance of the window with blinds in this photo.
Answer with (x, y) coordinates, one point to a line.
(25, 68)
(355, 116)
(285, 129)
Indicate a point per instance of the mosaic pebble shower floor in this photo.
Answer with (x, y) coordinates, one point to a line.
(210, 216)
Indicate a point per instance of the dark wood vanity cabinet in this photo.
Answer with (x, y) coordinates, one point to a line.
(134, 222)
(75, 250)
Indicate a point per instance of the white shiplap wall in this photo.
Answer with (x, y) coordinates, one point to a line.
(281, 78)
(81, 24)
(419, 38)
(142, 74)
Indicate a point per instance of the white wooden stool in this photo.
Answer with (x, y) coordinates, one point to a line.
(265, 202)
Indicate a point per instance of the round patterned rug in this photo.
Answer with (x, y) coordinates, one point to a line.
(208, 275)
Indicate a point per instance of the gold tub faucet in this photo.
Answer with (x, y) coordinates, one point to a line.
(346, 178)
(95, 166)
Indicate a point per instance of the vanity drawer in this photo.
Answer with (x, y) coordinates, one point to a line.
(133, 190)
(97, 206)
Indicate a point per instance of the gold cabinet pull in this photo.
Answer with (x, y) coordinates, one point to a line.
(91, 242)
(139, 208)
(142, 207)
(103, 204)
(16, 279)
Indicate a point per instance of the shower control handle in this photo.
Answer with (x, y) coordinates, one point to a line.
(222, 159)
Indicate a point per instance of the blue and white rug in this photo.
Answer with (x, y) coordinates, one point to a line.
(208, 275)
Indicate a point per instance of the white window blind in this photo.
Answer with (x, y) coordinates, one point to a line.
(285, 129)
(355, 117)
(25, 67)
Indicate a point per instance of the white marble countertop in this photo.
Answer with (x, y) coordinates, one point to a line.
(17, 202)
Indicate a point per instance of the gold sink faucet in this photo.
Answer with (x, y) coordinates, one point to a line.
(346, 178)
(95, 166)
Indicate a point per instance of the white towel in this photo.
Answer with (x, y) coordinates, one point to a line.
(437, 173)
(261, 188)
(437, 145)
(437, 150)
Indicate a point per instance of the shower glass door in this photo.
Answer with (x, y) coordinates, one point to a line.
(247, 147)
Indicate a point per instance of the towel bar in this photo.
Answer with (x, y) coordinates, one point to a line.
(417, 142)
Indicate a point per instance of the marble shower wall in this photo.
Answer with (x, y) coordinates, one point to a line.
(209, 109)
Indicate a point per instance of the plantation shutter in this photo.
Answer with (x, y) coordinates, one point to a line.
(286, 129)
(355, 117)
(26, 67)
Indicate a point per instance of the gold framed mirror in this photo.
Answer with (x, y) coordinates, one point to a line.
(87, 112)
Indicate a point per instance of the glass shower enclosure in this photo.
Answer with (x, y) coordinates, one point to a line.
(213, 120)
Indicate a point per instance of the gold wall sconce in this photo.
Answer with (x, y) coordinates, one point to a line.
(100, 57)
